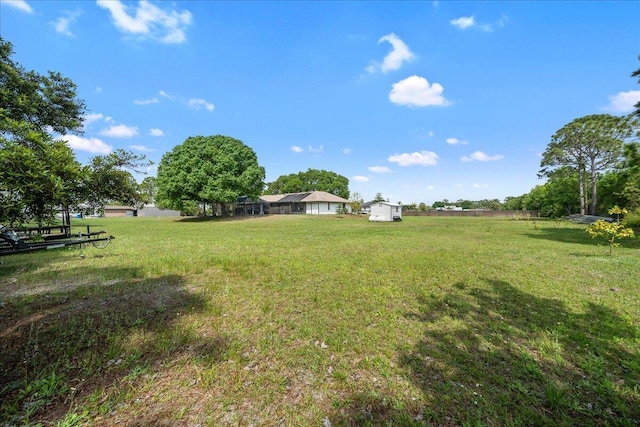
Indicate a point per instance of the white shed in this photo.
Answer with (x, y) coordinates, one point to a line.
(385, 211)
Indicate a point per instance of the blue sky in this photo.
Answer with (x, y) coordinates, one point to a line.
(419, 101)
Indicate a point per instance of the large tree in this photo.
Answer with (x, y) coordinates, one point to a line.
(311, 180)
(38, 173)
(208, 169)
(589, 145)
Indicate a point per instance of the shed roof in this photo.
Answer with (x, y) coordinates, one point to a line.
(381, 202)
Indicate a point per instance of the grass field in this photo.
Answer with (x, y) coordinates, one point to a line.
(323, 321)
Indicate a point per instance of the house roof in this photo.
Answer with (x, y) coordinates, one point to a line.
(308, 197)
(293, 198)
(271, 198)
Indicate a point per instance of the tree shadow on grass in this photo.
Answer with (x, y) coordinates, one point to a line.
(511, 357)
(36, 260)
(576, 236)
(499, 356)
(57, 349)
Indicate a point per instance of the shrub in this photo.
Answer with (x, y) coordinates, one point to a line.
(610, 231)
(632, 220)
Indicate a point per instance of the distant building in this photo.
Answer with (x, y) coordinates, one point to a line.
(119, 211)
(310, 203)
(449, 208)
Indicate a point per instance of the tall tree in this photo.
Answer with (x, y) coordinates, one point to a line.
(378, 198)
(311, 180)
(589, 145)
(38, 174)
(212, 169)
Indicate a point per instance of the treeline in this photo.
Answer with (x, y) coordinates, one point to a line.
(489, 204)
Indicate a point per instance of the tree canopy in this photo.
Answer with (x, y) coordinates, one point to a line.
(588, 145)
(31, 103)
(208, 169)
(311, 180)
(106, 179)
(38, 174)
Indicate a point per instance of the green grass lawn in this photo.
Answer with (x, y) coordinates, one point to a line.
(308, 320)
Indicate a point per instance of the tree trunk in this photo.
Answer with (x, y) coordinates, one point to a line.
(594, 188)
(581, 185)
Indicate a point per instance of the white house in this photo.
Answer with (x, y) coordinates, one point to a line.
(311, 203)
(385, 211)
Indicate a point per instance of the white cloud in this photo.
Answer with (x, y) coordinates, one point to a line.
(146, 101)
(360, 178)
(63, 23)
(422, 158)
(296, 149)
(91, 118)
(165, 94)
(198, 103)
(463, 22)
(379, 169)
(431, 187)
(156, 132)
(120, 131)
(18, 4)
(316, 150)
(455, 141)
(141, 148)
(624, 102)
(148, 20)
(347, 150)
(98, 89)
(415, 91)
(475, 185)
(92, 145)
(394, 59)
(481, 157)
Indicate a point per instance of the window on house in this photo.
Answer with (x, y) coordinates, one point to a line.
(328, 206)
